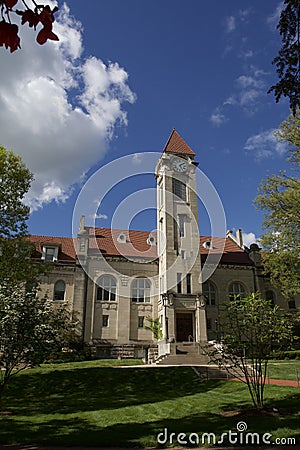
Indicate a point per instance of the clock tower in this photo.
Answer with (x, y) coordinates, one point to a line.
(181, 306)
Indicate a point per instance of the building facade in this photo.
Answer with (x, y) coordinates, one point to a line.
(117, 281)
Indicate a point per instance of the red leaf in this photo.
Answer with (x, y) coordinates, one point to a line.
(11, 3)
(46, 34)
(9, 36)
(31, 17)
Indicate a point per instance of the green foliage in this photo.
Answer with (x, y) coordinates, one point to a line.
(15, 250)
(290, 354)
(250, 331)
(155, 327)
(31, 327)
(288, 59)
(15, 180)
(279, 198)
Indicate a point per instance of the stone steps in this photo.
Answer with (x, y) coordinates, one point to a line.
(186, 353)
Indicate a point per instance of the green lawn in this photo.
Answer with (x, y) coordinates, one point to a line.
(284, 370)
(88, 404)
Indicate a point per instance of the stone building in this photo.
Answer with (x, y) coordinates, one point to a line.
(117, 280)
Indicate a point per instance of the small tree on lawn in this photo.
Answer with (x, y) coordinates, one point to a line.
(155, 327)
(250, 330)
(30, 328)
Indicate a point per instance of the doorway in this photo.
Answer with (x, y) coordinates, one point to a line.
(184, 326)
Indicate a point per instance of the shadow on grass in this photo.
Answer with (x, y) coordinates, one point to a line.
(79, 390)
(80, 432)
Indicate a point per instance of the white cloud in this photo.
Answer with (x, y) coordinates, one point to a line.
(265, 145)
(230, 24)
(249, 238)
(250, 88)
(58, 110)
(218, 118)
(99, 216)
(273, 18)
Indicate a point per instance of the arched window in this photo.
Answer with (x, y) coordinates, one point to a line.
(236, 290)
(106, 289)
(59, 290)
(270, 296)
(140, 290)
(210, 292)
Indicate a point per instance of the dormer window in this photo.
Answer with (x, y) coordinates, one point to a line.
(122, 238)
(151, 240)
(50, 253)
(207, 245)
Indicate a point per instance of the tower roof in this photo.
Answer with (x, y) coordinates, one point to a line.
(177, 145)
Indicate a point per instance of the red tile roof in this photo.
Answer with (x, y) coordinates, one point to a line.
(106, 240)
(66, 251)
(135, 245)
(231, 252)
(176, 144)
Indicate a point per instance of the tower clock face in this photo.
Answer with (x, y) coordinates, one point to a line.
(179, 165)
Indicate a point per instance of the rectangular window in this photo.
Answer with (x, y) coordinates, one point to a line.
(179, 189)
(105, 321)
(141, 322)
(179, 283)
(49, 253)
(189, 283)
(181, 225)
(182, 254)
(175, 231)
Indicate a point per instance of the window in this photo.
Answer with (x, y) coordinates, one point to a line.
(236, 290)
(141, 322)
(50, 252)
(182, 254)
(106, 290)
(270, 296)
(189, 283)
(59, 290)
(292, 304)
(179, 189)
(140, 290)
(179, 283)
(181, 225)
(105, 321)
(209, 291)
(208, 324)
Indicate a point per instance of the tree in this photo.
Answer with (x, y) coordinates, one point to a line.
(15, 251)
(155, 327)
(30, 328)
(250, 330)
(38, 14)
(288, 59)
(279, 198)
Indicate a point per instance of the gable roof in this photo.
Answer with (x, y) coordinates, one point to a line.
(177, 145)
(135, 246)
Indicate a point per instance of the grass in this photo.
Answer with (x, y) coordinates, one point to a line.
(284, 370)
(90, 404)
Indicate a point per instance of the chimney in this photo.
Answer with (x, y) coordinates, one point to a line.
(239, 238)
(82, 223)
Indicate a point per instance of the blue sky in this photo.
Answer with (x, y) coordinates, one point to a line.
(124, 74)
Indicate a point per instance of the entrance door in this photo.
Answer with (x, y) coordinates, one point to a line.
(184, 326)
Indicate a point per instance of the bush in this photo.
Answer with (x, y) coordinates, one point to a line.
(290, 354)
